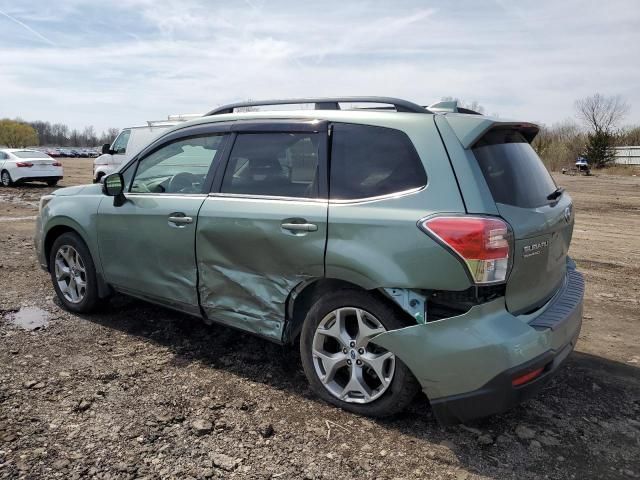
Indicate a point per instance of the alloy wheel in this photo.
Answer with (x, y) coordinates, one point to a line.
(350, 367)
(6, 179)
(70, 274)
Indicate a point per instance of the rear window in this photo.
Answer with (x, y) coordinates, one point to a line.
(31, 154)
(514, 172)
(369, 161)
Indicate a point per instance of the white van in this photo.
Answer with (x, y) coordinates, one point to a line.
(130, 141)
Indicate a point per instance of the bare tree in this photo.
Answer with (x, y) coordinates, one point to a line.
(601, 113)
(474, 105)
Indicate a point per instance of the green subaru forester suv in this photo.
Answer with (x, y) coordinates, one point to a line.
(402, 247)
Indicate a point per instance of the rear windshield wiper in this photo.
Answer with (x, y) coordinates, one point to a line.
(555, 194)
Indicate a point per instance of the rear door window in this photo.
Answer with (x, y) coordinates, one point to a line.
(513, 171)
(274, 164)
(369, 161)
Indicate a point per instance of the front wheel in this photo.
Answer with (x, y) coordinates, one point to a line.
(73, 273)
(342, 365)
(5, 179)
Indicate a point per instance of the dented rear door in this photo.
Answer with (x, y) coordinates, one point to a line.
(264, 228)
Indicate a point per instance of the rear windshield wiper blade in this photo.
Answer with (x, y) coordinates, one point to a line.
(555, 194)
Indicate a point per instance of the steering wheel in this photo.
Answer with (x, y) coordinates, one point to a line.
(179, 182)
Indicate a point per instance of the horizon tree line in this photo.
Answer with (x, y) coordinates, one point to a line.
(49, 134)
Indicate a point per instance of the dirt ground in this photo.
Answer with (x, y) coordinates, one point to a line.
(142, 392)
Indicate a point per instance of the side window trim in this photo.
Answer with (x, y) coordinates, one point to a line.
(216, 184)
(221, 153)
(322, 193)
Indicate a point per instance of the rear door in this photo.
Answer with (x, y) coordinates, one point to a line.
(540, 215)
(263, 229)
(147, 244)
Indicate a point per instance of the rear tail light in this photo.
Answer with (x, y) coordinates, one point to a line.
(24, 164)
(56, 164)
(483, 244)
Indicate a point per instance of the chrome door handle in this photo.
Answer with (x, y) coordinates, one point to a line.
(300, 227)
(180, 219)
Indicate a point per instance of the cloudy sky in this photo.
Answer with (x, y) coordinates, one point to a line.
(120, 63)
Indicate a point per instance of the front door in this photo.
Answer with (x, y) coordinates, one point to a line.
(264, 229)
(147, 244)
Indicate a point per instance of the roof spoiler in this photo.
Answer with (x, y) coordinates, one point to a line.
(471, 128)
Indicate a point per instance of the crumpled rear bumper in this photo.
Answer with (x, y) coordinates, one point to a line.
(465, 364)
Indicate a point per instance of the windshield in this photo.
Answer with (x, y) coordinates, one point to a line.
(31, 154)
(513, 171)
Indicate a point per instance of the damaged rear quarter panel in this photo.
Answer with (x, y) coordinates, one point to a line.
(248, 264)
(460, 354)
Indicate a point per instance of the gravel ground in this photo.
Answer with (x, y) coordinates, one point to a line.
(138, 391)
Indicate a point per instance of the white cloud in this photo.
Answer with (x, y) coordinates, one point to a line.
(134, 60)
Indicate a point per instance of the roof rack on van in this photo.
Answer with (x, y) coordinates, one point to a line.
(160, 123)
(328, 103)
(183, 117)
(172, 119)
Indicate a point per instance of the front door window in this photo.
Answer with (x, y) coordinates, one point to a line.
(178, 167)
(119, 146)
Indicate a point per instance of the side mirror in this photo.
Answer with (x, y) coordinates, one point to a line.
(113, 186)
(106, 148)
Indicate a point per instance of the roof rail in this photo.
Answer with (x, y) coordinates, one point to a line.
(450, 106)
(328, 103)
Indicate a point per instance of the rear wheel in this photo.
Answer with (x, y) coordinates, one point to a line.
(52, 182)
(5, 179)
(73, 273)
(343, 366)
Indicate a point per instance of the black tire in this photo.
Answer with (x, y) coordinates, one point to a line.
(403, 387)
(5, 179)
(90, 300)
(53, 182)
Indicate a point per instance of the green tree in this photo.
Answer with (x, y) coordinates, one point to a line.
(601, 114)
(17, 134)
(599, 150)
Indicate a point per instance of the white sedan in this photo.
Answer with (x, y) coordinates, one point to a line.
(23, 165)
